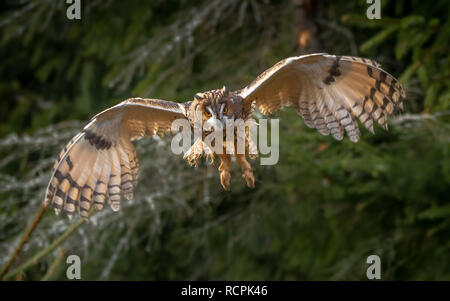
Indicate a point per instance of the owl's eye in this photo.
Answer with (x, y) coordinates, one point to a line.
(225, 110)
(208, 114)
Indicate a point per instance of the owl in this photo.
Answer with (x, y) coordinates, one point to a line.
(331, 93)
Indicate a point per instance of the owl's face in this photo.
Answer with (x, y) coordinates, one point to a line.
(215, 107)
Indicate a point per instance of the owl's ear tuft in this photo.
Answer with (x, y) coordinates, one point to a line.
(225, 90)
(198, 96)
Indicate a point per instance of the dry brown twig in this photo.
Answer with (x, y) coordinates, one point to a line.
(23, 241)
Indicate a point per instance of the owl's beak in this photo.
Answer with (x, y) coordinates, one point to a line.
(213, 124)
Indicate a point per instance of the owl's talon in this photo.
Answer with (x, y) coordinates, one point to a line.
(225, 180)
(224, 169)
(249, 179)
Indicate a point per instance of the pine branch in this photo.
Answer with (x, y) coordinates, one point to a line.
(54, 265)
(23, 241)
(33, 260)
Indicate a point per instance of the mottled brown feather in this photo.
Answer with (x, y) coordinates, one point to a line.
(100, 163)
(329, 92)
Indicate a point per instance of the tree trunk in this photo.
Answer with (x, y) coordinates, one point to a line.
(306, 32)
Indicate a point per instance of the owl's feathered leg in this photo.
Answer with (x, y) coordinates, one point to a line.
(224, 169)
(250, 145)
(246, 168)
(194, 153)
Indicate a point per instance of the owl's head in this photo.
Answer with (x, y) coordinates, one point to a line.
(215, 107)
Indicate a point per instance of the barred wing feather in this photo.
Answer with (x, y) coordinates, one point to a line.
(100, 164)
(329, 92)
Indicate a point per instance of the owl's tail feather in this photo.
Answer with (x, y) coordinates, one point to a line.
(90, 170)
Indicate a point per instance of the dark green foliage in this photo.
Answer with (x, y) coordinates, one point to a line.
(418, 33)
(316, 215)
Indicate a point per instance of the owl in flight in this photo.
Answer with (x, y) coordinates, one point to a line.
(329, 92)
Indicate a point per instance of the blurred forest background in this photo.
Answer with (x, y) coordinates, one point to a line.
(316, 215)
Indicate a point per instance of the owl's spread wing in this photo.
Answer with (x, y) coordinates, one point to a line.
(329, 92)
(100, 162)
